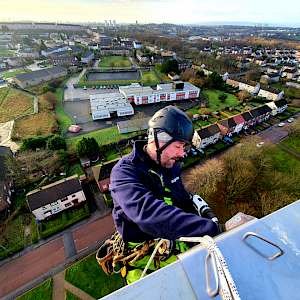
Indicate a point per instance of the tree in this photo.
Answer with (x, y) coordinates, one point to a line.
(204, 111)
(81, 147)
(200, 74)
(90, 63)
(122, 64)
(222, 97)
(48, 89)
(111, 64)
(57, 142)
(253, 74)
(42, 46)
(293, 127)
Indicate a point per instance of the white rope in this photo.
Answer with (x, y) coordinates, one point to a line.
(228, 287)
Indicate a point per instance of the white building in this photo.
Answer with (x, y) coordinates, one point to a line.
(177, 90)
(55, 197)
(105, 106)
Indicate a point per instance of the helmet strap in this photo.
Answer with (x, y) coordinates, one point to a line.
(160, 150)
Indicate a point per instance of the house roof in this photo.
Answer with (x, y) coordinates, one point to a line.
(238, 119)
(255, 112)
(228, 123)
(280, 103)
(204, 132)
(88, 54)
(40, 73)
(53, 192)
(246, 116)
(214, 129)
(264, 109)
(241, 80)
(103, 171)
(271, 89)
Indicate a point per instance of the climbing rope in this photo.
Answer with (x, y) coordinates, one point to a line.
(228, 287)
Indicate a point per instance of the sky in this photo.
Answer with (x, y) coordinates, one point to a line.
(272, 12)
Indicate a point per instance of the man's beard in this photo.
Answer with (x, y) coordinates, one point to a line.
(169, 164)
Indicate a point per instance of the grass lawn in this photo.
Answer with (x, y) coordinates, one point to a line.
(116, 59)
(70, 296)
(149, 77)
(41, 292)
(14, 104)
(193, 110)
(294, 109)
(287, 163)
(292, 142)
(196, 126)
(162, 75)
(104, 136)
(11, 74)
(88, 276)
(111, 154)
(126, 151)
(71, 171)
(12, 237)
(215, 104)
(65, 120)
(37, 89)
(6, 52)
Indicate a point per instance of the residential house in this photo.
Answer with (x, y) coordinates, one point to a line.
(5, 182)
(127, 44)
(102, 174)
(227, 126)
(256, 115)
(140, 56)
(248, 119)
(281, 105)
(240, 121)
(60, 54)
(2, 64)
(137, 45)
(69, 42)
(243, 84)
(270, 77)
(49, 51)
(55, 197)
(288, 66)
(87, 56)
(206, 135)
(290, 74)
(265, 112)
(63, 61)
(77, 49)
(14, 62)
(93, 46)
(183, 64)
(273, 107)
(270, 93)
(28, 54)
(28, 79)
(261, 61)
(105, 41)
(158, 59)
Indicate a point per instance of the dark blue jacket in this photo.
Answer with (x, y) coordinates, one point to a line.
(139, 215)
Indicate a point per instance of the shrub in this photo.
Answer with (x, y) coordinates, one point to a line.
(48, 89)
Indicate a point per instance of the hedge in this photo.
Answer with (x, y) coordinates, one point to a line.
(11, 250)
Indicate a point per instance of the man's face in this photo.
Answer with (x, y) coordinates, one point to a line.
(171, 154)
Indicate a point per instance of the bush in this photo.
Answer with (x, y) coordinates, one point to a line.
(15, 137)
(48, 89)
(56, 142)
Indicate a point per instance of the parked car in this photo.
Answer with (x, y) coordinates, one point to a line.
(74, 85)
(104, 87)
(108, 87)
(281, 124)
(260, 144)
(93, 87)
(97, 87)
(245, 132)
(65, 86)
(101, 87)
(290, 120)
(84, 87)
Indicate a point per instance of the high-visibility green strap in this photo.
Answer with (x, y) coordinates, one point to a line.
(168, 201)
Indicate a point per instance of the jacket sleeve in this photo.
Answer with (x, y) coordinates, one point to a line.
(153, 216)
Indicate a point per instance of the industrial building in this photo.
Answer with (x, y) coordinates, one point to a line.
(109, 105)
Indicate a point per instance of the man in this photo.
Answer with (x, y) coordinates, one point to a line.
(149, 198)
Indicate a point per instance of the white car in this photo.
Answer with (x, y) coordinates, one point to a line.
(260, 144)
(281, 124)
(290, 120)
(84, 87)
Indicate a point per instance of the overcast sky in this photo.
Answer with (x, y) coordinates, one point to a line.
(154, 11)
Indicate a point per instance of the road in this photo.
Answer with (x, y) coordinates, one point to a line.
(36, 266)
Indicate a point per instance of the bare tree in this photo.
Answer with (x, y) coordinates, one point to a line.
(111, 64)
(293, 127)
(139, 120)
(90, 63)
(122, 64)
(50, 98)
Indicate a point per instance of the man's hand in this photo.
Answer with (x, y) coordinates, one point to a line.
(202, 208)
